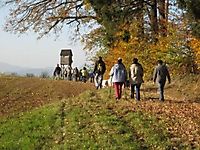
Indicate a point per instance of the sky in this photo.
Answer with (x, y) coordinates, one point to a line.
(27, 51)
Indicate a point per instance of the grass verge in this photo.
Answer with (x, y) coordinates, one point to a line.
(31, 130)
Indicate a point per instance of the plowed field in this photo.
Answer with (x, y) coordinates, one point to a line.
(19, 94)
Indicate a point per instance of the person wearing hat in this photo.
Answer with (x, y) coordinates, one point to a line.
(160, 75)
(118, 74)
(136, 78)
(99, 70)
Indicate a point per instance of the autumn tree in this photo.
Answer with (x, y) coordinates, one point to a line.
(44, 16)
(147, 29)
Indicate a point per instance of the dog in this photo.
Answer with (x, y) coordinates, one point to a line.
(105, 84)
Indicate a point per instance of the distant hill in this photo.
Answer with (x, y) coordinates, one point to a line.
(7, 68)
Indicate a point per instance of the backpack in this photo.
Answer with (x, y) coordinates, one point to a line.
(84, 73)
(100, 67)
(138, 71)
(137, 75)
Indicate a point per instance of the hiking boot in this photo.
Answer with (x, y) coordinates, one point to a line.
(162, 100)
(132, 96)
(117, 98)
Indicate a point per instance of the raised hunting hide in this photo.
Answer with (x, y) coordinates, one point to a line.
(66, 57)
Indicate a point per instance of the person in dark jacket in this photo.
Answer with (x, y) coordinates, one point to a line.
(160, 75)
(57, 72)
(99, 70)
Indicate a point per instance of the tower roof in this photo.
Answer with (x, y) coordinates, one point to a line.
(66, 52)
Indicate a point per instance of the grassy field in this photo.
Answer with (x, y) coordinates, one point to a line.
(56, 116)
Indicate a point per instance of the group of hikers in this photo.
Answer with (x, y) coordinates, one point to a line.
(118, 76)
(72, 74)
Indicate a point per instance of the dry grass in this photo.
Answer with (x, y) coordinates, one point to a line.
(180, 111)
(185, 88)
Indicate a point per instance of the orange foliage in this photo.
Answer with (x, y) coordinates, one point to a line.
(195, 45)
(172, 49)
(127, 51)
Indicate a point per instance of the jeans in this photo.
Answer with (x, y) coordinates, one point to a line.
(98, 80)
(161, 90)
(135, 88)
(84, 79)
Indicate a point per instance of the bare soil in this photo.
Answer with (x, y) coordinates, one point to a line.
(19, 94)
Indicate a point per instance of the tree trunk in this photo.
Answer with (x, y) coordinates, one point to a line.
(141, 22)
(154, 20)
(163, 11)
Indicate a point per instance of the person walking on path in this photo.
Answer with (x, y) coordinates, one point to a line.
(75, 74)
(84, 73)
(160, 75)
(57, 72)
(68, 72)
(136, 78)
(119, 75)
(99, 70)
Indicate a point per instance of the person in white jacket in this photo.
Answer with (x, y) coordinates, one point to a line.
(136, 78)
(118, 74)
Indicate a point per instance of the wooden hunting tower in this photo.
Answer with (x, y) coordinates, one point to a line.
(66, 57)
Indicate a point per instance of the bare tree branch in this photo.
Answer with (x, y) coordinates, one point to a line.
(43, 15)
